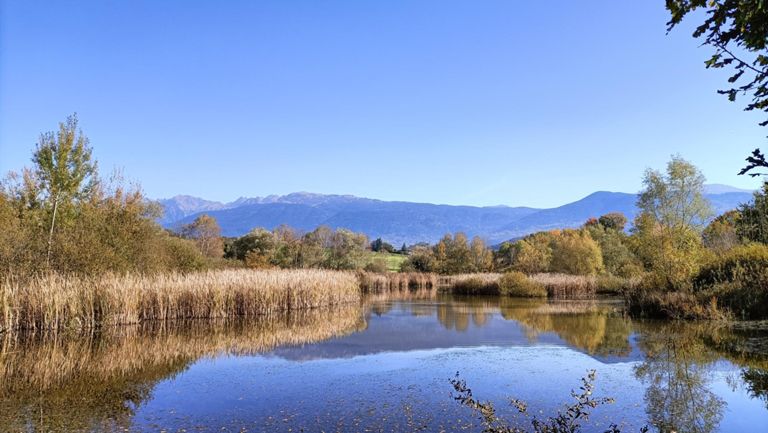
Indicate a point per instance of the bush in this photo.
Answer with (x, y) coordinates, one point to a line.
(474, 285)
(378, 265)
(517, 284)
(183, 255)
(738, 280)
(670, 305)
(613, 285)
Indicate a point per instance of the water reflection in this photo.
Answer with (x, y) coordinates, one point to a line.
(99, 382)
(95, 382)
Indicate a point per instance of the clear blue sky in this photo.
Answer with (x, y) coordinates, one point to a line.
(481, 103)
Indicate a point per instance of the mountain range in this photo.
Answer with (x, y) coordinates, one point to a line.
(400, 222)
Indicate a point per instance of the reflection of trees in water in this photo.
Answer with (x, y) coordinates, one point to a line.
(95, 382)
(678, 367)
(756, 381)
(678, 397)
(589, 326)
(456, 315)
(381, 303)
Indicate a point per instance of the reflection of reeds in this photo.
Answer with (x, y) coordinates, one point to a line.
(371, 282)
(77, 380)
(55, 302)
(52, 360)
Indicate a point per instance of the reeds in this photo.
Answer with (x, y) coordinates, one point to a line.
(372, 282)
(568, 286)
(471, 284)
(557, 285)
(54, 302)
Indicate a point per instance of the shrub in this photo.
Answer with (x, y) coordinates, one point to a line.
(517, 284)
(421, 259)
(474, 284)
(738, 280)
(378, 265)
(670, 305)
(613, 285)
(183, 255)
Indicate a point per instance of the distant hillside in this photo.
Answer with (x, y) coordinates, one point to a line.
(405, 222)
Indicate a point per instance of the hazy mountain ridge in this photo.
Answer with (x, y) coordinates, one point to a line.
(405, 222)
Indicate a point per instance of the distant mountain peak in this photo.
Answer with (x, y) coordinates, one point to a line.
(399, 221)
(718, 188)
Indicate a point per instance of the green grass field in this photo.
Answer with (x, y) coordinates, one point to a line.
(393, 260)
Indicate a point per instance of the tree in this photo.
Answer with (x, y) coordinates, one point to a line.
(575, 252)
(504, 256)
(421, 259)
(481, 256)
(738, 32)
(533, 254)
(259, 243)
(613, 221)
(206, 233)
(65, 171)
(379, 245)
(614, 245)
(673, 214)
(453, 254)
(753, 224)
(721, 234)
(287, 247)
(346, 249)
(676, 199)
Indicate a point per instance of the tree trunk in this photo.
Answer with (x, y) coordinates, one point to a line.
(50, 233)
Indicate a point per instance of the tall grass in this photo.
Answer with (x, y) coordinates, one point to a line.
(471, 284)
(568, 286)
(373, 282)
(58, 302)
(557, 285)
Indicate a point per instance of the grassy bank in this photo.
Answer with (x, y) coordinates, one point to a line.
(58, 302)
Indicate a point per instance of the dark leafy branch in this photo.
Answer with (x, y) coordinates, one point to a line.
(738, 31)
(566, 421)
(757, 160)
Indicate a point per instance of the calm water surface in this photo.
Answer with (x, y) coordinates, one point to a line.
(385, 366)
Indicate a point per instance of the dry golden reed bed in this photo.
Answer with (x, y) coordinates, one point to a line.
(557, 285)
(60, 302)
(371, 282)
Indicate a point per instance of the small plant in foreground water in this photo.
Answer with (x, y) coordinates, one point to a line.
(567, 421)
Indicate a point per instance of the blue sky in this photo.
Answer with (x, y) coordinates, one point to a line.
(479, 103)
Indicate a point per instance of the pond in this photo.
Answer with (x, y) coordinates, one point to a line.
(386, 365)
